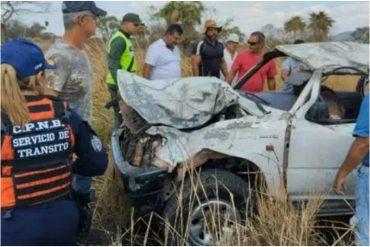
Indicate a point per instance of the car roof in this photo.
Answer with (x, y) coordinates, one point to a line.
(329, 54)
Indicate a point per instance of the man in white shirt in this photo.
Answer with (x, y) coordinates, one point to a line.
(163, 59)
(230, 53)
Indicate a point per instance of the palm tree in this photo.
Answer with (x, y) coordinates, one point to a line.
(295, 25)
(188, 14)
(320, 24)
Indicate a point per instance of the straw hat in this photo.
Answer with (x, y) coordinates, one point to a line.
(211, 23)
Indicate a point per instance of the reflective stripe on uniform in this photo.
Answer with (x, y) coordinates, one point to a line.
(35, 166)
(127, 60)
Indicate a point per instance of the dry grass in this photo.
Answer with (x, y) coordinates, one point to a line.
(277, 223)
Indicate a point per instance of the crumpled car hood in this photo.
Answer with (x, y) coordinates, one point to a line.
(329, 54)
(180, 103)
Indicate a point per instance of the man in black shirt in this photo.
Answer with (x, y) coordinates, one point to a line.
(208, 54)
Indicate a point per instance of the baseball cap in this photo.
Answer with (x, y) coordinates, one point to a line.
(211, 23)
(233, 38)
(78, 6)
(26, 57)
(132, 17)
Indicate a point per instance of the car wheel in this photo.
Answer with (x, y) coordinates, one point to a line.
(207, 207)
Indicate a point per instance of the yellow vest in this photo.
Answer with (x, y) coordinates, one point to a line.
(127, 60)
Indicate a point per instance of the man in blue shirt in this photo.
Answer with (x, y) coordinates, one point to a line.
(291, 66)
(208, 54)
(358, 152)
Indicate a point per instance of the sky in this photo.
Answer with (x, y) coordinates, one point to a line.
(248, 15)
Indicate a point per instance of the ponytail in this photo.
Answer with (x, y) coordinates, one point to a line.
(13, 103)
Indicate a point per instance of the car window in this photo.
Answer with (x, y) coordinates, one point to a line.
(339, 100)
(341, 83)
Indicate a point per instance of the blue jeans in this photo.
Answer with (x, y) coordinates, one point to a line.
(361, 216)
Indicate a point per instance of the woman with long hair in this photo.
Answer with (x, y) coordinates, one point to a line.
(39, 137)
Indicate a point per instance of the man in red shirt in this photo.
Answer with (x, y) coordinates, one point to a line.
(250, 57)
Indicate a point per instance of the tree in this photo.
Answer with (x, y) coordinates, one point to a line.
(295, 25)
(361, 34)
(35, 30)
(274, 36)
(320, 24)
(16, 29)
(9, 9)
(188, 14)
(227, 29)
(107, 25)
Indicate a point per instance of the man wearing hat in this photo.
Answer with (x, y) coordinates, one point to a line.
(230, 52)
(249, 58)
(73, 80)
(121, 56)
(208, 54)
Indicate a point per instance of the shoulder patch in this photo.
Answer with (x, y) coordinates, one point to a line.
(96, 144)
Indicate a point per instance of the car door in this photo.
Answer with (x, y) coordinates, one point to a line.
(316, 151)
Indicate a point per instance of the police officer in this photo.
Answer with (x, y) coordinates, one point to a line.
(121, 56)
(39, 136)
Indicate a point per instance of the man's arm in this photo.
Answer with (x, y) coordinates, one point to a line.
(285, 69)
(357, 152)
(230, 75)
(146, 70)
(57, 78)
(359, 148)
(223, 67)
(151, 59)
(117, 47)
(271, 84)
(271, 73)
(284, 74)
(195, 61)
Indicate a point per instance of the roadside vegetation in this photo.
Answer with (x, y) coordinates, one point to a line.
(115, 222)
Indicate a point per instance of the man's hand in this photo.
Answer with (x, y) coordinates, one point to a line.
(147, 70)
(338, 185)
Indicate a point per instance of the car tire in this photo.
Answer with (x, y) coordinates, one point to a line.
(209, 193)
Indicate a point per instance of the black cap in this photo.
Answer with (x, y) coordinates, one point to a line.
(131, 17)
(78, 6)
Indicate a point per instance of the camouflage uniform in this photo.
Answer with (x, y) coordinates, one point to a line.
(73, 79)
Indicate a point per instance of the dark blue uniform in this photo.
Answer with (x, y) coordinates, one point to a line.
(56, 223)
(211, 56)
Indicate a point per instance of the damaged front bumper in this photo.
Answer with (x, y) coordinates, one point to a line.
(143, 185)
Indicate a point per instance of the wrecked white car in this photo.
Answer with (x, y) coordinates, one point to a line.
(297, 140)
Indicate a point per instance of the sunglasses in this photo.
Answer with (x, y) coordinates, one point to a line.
(136, 25)
(252, 43)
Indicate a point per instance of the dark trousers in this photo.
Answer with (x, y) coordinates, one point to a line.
(54, 223)
(113, 90)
